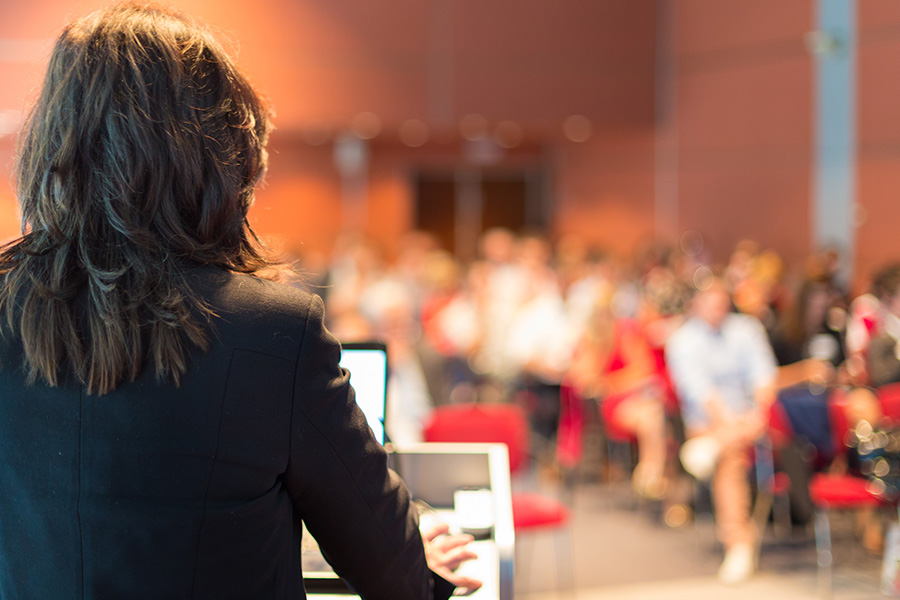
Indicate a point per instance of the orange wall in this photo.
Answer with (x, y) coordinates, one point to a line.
(604, 190)
(744, 122)
(879, 135)
(324, 61)
(297, 208)
(739, 117)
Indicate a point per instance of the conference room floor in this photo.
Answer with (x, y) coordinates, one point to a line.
(623, 550)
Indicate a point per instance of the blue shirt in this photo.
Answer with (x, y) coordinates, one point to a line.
(732, 362)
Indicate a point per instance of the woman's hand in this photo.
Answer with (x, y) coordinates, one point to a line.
(445, 553)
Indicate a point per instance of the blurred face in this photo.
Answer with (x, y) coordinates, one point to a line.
(817, 304)
(713, 305)
(497, 246)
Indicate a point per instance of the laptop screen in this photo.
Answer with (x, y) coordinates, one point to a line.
(367, 363)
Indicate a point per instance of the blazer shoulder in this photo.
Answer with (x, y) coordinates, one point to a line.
(255, 313)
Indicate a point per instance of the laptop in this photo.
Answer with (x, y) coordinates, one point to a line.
(367, 363)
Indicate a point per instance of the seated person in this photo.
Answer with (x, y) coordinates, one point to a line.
(724, 372)
(808, 344)
(884, 348)
(615, 363)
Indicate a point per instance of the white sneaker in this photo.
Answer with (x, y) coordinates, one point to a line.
(739, 564)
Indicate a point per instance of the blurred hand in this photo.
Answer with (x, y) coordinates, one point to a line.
(742, 429)
(719, 414)
(818, 371)
(855, 370)
(445, 553)
(754, 425)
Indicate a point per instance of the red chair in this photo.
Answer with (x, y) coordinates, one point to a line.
(570, 441)
(507, 424)
(618, 436)
(836, 492)
(780, 430)
(570, 434)
(889, 398)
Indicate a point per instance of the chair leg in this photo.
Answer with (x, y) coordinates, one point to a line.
(619, 455)
(824, 558)
(782, 510)
(702, 510)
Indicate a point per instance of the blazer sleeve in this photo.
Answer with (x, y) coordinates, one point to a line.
(358, 510)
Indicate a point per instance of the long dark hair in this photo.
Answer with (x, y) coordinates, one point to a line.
(798, 323)
(140, 157)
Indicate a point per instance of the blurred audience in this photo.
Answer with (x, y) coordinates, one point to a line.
(538, 342)
(564, 329)
(614, 364)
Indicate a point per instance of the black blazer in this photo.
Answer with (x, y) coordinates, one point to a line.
(159, 492)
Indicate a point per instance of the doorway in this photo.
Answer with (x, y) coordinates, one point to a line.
(457, 206)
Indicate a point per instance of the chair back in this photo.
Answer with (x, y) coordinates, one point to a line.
(485, 423)
(889, 398)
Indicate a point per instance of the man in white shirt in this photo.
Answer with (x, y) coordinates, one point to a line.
(724, 371)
